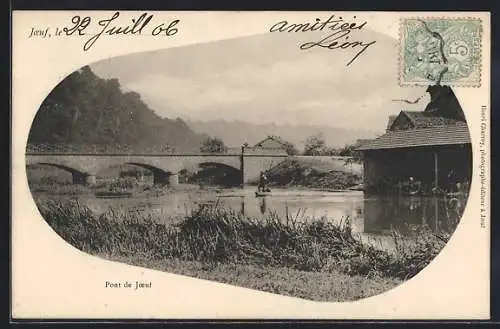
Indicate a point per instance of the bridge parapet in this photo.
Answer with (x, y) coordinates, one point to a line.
(95, 149)
(67, 149)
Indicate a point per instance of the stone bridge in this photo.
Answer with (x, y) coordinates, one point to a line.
(165, 167)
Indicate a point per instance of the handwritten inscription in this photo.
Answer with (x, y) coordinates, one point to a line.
(110, 26)
(339, 37)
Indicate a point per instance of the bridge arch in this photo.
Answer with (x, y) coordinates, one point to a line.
(78, 176)
(217, 173)
(217, 163)
(160, 176)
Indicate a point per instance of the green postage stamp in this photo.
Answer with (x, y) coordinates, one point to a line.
(440, 50)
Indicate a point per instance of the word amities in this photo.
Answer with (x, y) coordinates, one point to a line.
(338, 36)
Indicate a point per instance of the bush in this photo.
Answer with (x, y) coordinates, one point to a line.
(292, 172)
(118, 185)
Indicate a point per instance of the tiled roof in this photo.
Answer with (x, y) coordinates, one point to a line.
(436, 135)
(361, 141)
(422, 119)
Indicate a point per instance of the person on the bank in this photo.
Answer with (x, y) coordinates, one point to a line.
(414, 186)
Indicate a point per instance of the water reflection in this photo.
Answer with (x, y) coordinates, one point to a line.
(381, 215)
(405, 214)
(263, 205)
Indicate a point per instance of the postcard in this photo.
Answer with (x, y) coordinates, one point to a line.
(250, 165)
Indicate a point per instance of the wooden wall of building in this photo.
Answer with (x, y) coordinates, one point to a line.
(383, 169)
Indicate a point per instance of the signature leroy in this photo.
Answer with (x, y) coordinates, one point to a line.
(111, 27)
(338, 38)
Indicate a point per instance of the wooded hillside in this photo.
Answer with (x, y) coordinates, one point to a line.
(87, 110)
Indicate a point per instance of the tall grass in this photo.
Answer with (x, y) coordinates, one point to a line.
(213, 234)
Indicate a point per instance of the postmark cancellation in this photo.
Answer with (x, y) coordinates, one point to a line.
(440, 50)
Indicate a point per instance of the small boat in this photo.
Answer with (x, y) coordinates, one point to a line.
(358, 187)
(110, 194)
(306, 193)
(454, 194)
(338, 190)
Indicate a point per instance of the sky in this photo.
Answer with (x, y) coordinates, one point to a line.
(267, 78)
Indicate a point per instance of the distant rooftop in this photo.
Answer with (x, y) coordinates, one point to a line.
(271, 142)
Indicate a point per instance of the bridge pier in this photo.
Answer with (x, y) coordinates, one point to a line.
(90, 180)
(242, 167)
(173, 179)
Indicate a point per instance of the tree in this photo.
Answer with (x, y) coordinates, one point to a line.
(315, 145)
(291, 149)
(213, 145)
(351, 152)
(347, 151)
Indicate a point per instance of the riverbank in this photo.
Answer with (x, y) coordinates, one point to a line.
(324, 260)
(116, 188)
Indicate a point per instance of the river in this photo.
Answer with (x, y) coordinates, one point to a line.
(370, 216)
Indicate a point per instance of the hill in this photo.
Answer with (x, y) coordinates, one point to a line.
(85, 109)
(235, 133)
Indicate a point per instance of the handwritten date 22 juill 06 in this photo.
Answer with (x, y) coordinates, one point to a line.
(109, 26)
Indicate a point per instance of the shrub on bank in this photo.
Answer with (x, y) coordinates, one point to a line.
(59, 188)
(121, 184)
(127, 184)
(214, 234)
(293, 172)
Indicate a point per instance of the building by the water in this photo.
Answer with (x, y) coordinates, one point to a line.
(431, 146)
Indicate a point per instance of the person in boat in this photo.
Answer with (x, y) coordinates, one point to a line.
(262, 182)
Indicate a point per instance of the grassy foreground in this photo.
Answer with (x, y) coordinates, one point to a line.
(320, 286)
(317, 259)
